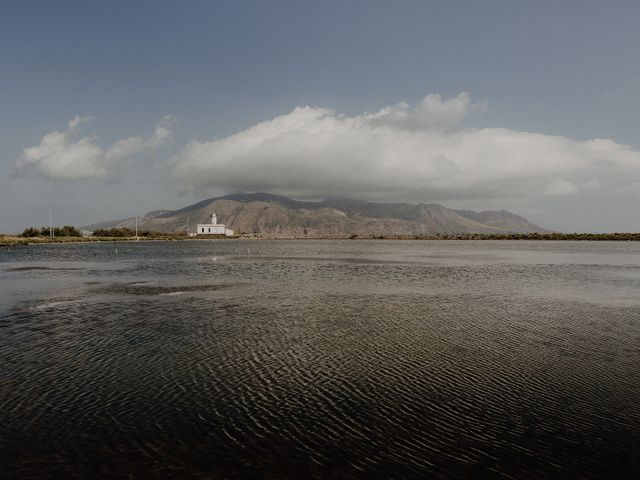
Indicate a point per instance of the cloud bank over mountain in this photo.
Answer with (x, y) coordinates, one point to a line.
(409, 153)
(428, 152)
(63, 156)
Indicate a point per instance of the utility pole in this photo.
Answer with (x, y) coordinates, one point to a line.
(50, 224)
(188, 218)
(136, 228)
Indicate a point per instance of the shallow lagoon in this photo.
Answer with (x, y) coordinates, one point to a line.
(350, 359)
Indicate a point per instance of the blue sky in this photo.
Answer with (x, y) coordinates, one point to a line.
(558, 69)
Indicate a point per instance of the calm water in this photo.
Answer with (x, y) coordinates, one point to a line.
(327, 359)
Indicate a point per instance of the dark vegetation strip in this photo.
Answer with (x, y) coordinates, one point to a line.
(69, 234)
(623, 237)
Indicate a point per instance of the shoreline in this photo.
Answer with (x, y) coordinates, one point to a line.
(7, 241)
(11, 240)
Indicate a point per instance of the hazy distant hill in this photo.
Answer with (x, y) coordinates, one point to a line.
(278, 216)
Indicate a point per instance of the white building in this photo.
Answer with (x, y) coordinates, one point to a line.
(213, 228)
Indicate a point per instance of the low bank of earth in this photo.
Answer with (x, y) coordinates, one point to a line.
(13, 240)
(8, 240)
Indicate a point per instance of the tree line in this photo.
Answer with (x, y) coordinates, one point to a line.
(71, 231)
(124, 232)
(66, 231)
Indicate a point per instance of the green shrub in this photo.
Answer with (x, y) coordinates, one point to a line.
(113, 232)
(30, 232)
(66, 231)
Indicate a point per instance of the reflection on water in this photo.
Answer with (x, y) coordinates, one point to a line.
(325, 359)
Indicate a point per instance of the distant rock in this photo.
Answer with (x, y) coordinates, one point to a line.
(277, 216)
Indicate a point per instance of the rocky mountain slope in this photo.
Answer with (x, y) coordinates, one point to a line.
(277, 216)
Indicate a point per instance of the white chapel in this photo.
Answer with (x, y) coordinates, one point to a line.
(213, 228)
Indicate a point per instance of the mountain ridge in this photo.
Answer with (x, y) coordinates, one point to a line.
(279, 216)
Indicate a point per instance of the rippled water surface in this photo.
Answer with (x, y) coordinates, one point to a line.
(320, 359)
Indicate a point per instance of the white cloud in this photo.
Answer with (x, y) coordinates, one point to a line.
(63, 156)
(421, 153)
(430, 114)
